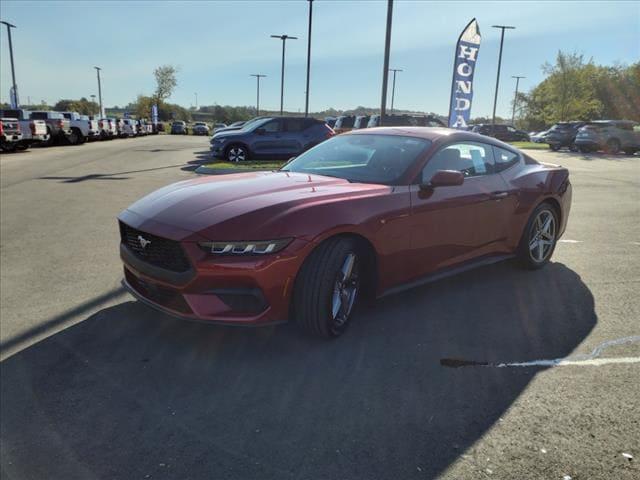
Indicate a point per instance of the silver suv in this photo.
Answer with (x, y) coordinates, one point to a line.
(612, 136)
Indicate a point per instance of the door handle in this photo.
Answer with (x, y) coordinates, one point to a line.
(499, 195)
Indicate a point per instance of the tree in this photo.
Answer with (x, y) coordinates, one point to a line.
(579, 90)
(142, 107)
(165, 82)
(82, 106)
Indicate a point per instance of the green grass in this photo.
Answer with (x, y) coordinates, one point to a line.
(530, 145)
(244, 166)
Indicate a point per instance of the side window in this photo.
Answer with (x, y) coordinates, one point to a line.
(511, 129)
(272, 126)
(471, 158)
(504, 158)
(295, 124)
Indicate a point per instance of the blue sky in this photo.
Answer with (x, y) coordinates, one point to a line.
(218, 44)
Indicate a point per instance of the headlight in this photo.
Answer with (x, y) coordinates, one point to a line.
(218, 140)
(261, 247)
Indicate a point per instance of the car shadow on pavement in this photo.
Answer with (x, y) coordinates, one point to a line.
(132, 393)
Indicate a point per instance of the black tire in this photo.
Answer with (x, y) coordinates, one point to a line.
(573, 147)
(22, 146)
(317, 283)
(584, 149)
(531, 257)
(50, 140)
(236, 153)
(613, 146)
(9, 147)
(555, 148)
(629, 151)
(74, 137)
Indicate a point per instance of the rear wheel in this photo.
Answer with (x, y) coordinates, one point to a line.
(50, 140)
(613, 145)
(74, 137)
(539, 237)
(573, 147)
(327, 288)
(555, 148)
(237, 153)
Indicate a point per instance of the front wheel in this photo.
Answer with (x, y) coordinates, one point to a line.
(237, 153)
(327, 288)
(555, 148)
(539, 237)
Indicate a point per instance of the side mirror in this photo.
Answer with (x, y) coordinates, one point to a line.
(444, 178)
(260, 131)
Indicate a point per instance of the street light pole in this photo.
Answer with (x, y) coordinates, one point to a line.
(385, 68)
(495, 98)
(306, 100)
(196, 94)
(284, 39)
(99, 91)
(515, 98)
(258, 77)
(393, 88)
(13, 70)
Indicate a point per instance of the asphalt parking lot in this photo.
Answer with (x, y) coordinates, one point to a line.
(96, 385)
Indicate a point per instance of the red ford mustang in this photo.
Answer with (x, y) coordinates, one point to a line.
(370, 212)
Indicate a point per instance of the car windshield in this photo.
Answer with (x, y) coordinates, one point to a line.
(361, 158)
(256, 122)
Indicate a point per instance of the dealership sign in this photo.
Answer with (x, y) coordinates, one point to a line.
(464, 66)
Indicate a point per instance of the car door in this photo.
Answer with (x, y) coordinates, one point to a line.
(267, 138)
(296, 136)
(453, 224)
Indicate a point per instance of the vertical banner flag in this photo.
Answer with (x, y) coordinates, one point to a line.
(154, 113)
(13, 98)
(464, 66)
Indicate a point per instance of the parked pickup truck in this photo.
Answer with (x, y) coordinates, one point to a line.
(10, 134)
(94, 127)
(58, 127)
(80, 128)
(107, 128)
(33, 131)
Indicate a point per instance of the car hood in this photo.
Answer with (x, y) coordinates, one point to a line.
(225, 132)
(245, 204)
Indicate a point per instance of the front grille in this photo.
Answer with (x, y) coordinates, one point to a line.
(158, 251)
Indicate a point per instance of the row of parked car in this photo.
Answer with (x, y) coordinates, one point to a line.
(20, 129)
(198, 128)
(344, 123)
(611, 136)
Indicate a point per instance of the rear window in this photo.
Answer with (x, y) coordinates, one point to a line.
(10, 114)
(345, 122)
(39, 115)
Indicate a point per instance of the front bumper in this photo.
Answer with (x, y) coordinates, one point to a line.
(217, 149)
(250, 291)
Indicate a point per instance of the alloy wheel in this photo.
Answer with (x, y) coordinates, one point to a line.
(237, 154)
(542, 236)
(345, 291)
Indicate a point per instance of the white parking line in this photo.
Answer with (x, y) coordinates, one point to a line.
(569, 241)
(590, 359)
